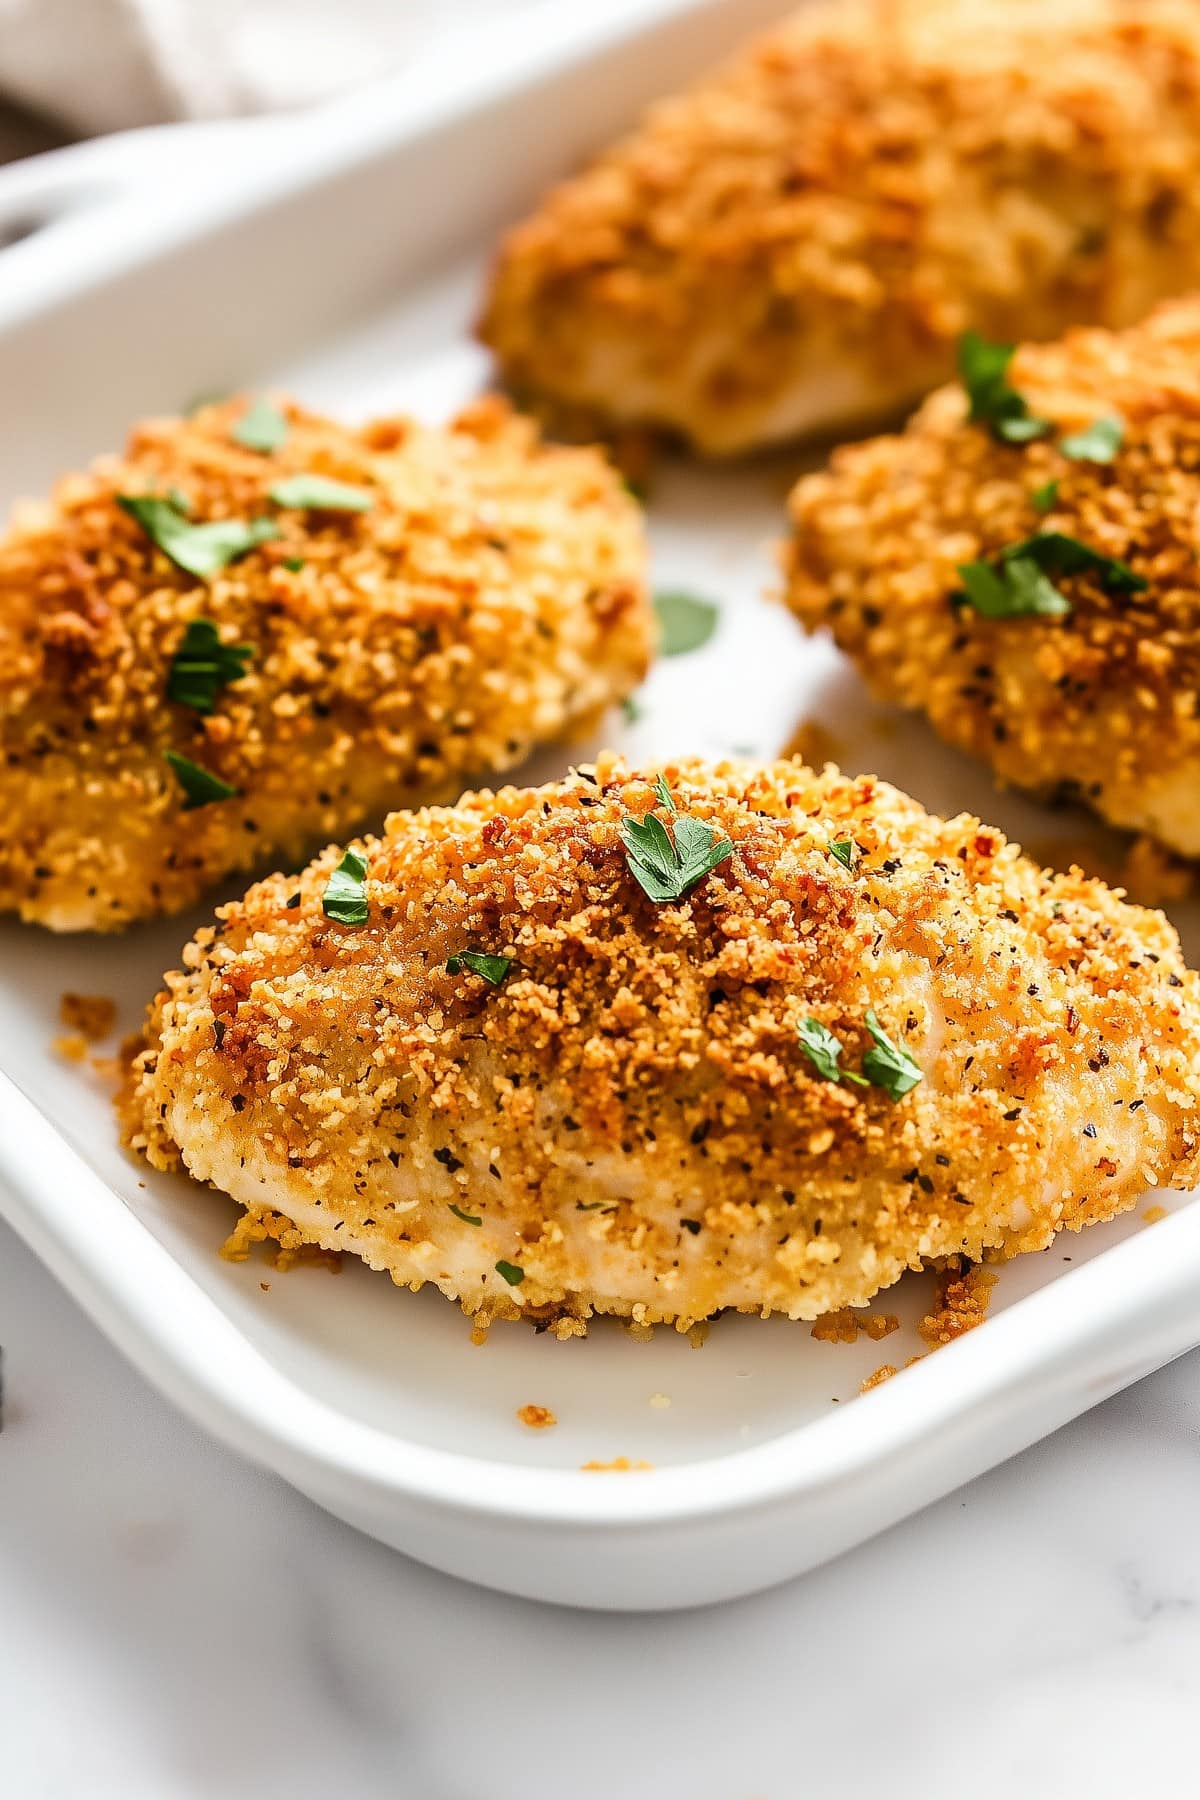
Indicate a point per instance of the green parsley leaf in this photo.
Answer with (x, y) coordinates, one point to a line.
(345, 896)
(321, 494)
(1017, 583)
(821, 1048)
(511, 1272)
(845, 851)
(179, 500)
(983, 368)
(686, 621)
(491, 968)
(1045, 498)
(466, 1217)
(632, 709)
(667, 869)
(1097, 442)
(888, 1065)
(294, 563)
(202, 550)
(1013, 591)
(261, 427)
(203, 665)
(1057, 554)
(200, 786)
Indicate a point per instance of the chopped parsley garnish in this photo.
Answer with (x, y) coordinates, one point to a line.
(261, 427)
(1018, 583)
(632, 709)
(886, 1065)
(845, 851)
(511, 1272)
(1045, 498)
(686, 621)
(1096, 443)
(490, 968)
(345, 896)
(889, 1066)
(824, 1050)
(294, 563)
(320, 493)
(994, 402)
(203, 665)
(202, 550)
(1014, 590)
(665, 869)
(466, 1217)
(200, 786)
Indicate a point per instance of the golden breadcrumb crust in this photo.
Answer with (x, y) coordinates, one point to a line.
(1100, 705)
(629, 1119)
(797, 242)
(490, 600)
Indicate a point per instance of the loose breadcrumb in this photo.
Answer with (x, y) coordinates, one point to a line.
(73, 1047)
(620, 1465)
(846, 1326)
(883, 1373)
(538, 1418)
(1099, 705)
(1153, 1214)
(92, 1015)
(631, 1114)
(962, 1297)
(491, 599)
(796, 243)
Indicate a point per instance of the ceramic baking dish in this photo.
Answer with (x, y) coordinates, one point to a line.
(342, 256)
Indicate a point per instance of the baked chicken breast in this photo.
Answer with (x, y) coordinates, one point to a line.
(794, 245)
(256, 629)
(767, 1051)
(1038, 600)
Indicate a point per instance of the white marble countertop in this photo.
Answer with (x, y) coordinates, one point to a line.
(179, 1626)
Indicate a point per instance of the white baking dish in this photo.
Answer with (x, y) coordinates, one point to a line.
(345, 261)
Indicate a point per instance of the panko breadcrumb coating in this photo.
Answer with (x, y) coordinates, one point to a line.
(795, 244)
(490, 599)
(628, 1123)
(1099, 704)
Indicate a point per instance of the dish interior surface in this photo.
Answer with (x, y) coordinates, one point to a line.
(406, 1363)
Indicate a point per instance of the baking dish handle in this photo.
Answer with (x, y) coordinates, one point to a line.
(42, 197)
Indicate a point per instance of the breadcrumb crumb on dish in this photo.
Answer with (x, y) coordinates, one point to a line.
(1099, 704)
(795, 244)
(537, 1418)
(962, 1297)
(92, 1015)
(490, 598)
(628, 1122)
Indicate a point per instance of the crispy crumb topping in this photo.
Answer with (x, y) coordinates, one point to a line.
(631, 1117)
(1099, 705)
(490, 599)
(799, 239)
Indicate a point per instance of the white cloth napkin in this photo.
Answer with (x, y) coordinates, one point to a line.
(99, 65)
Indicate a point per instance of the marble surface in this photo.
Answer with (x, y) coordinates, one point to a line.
(180, 1626)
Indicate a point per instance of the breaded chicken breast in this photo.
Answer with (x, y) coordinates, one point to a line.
(1042, 607)
(724, 1036)
(257, 629)
(795, 245)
